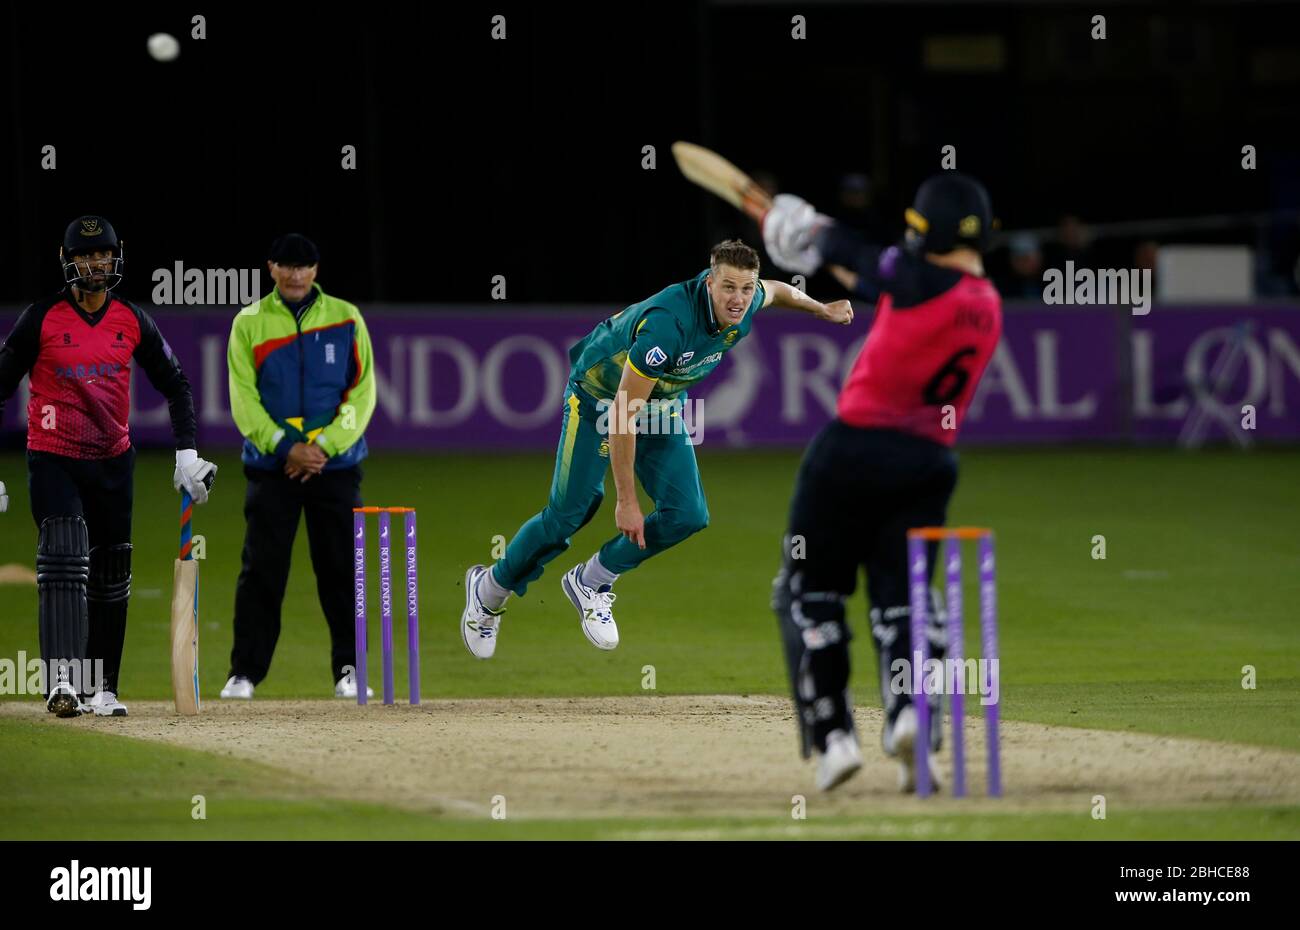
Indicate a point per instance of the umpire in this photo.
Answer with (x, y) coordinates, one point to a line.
(302, 390)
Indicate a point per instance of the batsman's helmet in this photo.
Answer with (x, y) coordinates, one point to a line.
(84, 236)
(951, 210)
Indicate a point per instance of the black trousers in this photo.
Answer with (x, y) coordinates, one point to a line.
(858, 493)
(272, 509)
(100, 491)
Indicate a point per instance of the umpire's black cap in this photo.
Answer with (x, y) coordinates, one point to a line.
(294, 249)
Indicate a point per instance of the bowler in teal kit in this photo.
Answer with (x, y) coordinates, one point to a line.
(623, 408)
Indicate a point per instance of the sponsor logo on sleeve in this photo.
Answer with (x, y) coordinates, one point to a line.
(656, 357)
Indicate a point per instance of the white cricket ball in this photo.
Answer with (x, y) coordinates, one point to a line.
(164, 47)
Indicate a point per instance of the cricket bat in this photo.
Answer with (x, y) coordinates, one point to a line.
(716, 175)
(185, 618)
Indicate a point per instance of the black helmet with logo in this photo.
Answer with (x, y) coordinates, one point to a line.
(84, 236)
(951, 210)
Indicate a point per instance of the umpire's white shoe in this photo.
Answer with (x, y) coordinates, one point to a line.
(840, 761)
(63, 701)
(237, 688)
(594, 608)
(347, 687)
(106, 704)
(478, 625)
(901, 742)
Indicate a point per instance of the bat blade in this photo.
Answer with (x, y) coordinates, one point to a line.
(718, 176)
(185, 636)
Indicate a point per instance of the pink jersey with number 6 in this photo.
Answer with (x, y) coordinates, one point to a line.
(933, 335)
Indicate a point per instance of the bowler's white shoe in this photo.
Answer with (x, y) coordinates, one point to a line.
(63, 701)
(347, 687)
(238, 688)
(106, 704)
(478, 625)
(840, 761)
(594, 608)
(901, 742)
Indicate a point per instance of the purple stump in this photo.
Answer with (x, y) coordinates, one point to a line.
(359, 600)
(956, 656)
(919, 590)
(989, 648)
(386, 599)
(412, 610)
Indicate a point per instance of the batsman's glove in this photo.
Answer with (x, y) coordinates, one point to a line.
(193, 474)
(790, 233)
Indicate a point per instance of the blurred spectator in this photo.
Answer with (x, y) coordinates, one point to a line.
(855, 206)
(1074, 244)
(1277, 272)
(1145, 254)
(1025, 279)
(855, 193)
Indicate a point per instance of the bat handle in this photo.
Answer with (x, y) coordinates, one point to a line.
(756, 209)
(187, 513)
(755, 203)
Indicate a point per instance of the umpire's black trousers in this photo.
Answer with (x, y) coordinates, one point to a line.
(272, 509)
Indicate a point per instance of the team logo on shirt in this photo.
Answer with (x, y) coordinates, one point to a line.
(731, 336)
(687, 369)
(685, 357)
(656, 357)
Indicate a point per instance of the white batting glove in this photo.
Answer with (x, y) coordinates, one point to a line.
(194, 474)
(790, 233)
(4, 498)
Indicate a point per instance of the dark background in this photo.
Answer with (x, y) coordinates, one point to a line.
(523, 157)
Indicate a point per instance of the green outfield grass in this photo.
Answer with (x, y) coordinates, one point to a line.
(1201, 578)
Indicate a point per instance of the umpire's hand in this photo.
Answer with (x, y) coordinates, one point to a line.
(303, 461)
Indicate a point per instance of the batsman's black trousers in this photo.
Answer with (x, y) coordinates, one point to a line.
(100, 491)
(272, 508)
(858, 493)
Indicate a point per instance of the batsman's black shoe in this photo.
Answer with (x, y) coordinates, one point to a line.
(63, 701)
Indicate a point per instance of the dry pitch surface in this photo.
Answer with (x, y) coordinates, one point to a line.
(711, 756)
